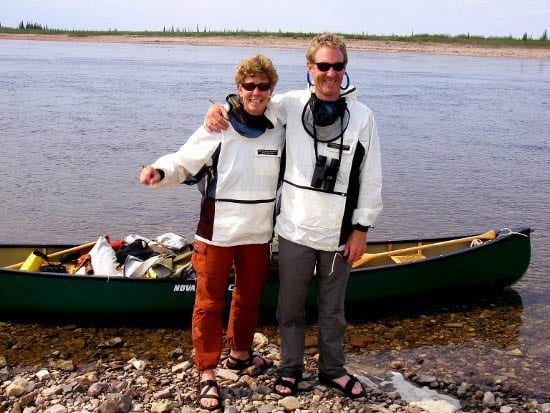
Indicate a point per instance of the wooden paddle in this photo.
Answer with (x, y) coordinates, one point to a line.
(57, 254)
(184, 256)
(368, 257)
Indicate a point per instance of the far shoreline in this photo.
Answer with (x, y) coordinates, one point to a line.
(380, 46)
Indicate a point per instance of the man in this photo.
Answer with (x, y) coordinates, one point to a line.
(330, 196)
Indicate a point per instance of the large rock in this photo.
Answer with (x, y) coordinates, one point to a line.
(289, 403)
(259, 341)
(56, 408)
(66, 365)
(116, 403)
(43, 375)
(96, 389)
(489, 399)
(181, 367)
(28, 399)
(52, 390)
(88, 378)
(161, 407)
(435, 406)
(19, 387)
(138, 364)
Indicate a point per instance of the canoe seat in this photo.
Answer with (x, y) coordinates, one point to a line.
(407, 258)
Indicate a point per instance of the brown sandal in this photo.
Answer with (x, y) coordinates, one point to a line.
(203, 394)
(347, 389)
(287, 383)
(233, 363)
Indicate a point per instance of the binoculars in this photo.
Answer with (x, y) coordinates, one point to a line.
(324, 176)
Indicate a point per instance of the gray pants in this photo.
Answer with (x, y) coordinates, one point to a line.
(296, 267)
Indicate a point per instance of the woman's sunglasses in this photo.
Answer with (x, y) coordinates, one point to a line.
(262, 87)
(325, 67)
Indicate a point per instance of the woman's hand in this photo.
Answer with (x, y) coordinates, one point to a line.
(216, 119)
(149, 176)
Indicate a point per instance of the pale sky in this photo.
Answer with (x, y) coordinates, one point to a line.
(403, 17)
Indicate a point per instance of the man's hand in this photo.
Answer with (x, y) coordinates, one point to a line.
(355, 246)
(216, 119)
(149, 176)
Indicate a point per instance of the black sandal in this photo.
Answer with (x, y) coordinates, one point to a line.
(209, 384)
(287, 383)
(347, 389)
(233, 363)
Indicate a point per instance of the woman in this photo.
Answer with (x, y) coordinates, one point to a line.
(239, 168)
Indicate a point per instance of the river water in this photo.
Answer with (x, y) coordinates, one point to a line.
(465, 146)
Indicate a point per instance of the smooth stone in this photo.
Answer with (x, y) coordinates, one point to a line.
(181, 367)
(138, 364)
(289, 403)
(259, 341)
(56, 408)
(227, 374)
(435, 406)
(161, 407)
(116, 403)
(66, 365)
(96, 389)
(489, 399)
(19, 387)
(43, 375)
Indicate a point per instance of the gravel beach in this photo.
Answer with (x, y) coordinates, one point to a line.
(138, 383)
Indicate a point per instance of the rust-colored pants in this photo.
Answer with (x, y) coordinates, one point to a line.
(212, 265)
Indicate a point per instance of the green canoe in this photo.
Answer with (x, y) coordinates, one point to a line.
(391, 269)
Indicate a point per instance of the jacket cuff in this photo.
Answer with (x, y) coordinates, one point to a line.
(161, 173)
(361, 228)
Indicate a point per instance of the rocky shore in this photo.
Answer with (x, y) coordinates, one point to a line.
(59, 385)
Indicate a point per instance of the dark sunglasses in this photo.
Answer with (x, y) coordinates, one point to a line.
(325, 67)
(262, 87)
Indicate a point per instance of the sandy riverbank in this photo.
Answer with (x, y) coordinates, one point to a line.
(367, 45)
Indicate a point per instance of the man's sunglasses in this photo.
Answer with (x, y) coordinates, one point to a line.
(262, 87)
(325, 67)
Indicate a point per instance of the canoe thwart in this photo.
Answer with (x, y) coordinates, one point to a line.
(407, 258)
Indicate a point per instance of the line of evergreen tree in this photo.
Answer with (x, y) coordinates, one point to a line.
(37, 26)
(31, 26)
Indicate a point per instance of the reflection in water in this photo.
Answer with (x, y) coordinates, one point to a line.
(494, 318)
(476, 342)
